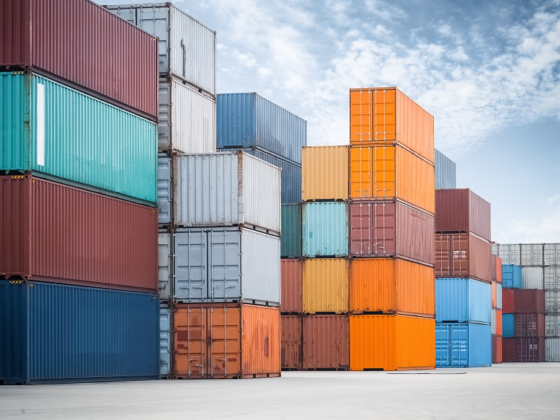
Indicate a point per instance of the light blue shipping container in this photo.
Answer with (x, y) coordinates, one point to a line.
(325, 229)
(511, 276)
(461, 345)
(446, 171)
(64, 135)
(463, 300)
(164, 341)
(508, 325)
(247, 120)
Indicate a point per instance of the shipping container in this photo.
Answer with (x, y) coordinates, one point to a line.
(226, 265)
(552, 325)
(58, 333)
(291, 230)
(523, 350)
(508, 325)
(462, 300)
(56, 233)
(326, 342)
(552, 349)
(552, 301)
(499, 292)
(532, 278)
(529, 301)
(292, 342)
(82, 45)
(325, 229)
(292, 283)
(382, 285)
(462, 255)
(446, 171)
(386, 115)
(509, 253)
(165, 342)
(249, 120)
(384, 229)
(529, 325)
(498, 270)
(226, 189)
(164, 189)
(218, 341)
(499, 323)
(493, 322)
(552, 278)
(493, 268)
(165, 264)
(508, 300)
(57, 132)
(461, 210)
(187, 48)
(496, 349)
(325, 285)
(391, 342)
(532, 255)
(552, 254)
(461, 345)
(324, 173)
(494, 293)
(389, 172)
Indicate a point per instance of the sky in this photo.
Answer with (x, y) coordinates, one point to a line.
(489, 72)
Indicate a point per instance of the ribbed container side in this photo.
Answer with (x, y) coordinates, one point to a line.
(326, 342)
(391, 342)
(498, 269)
(508, 300)
(499, 323)
(532, 255)
(493, 268)
(552, 325)
(59, 132)
(508, 325)
(292, 342)
(53, 232)
(461, 210)
(498, 296)
(493, 322)
(164, 189)
(324, 173)
(529, 301)
(494, 292)
(552, 278)
(249, 120)
(391, 286)
(509, 253)
(325, 229)
(523, 350)
(225, 189)
(462, 255)
(446, 171)
(532, 278)
(58, 333)
(463, 345)
(462, 300)
(496, 350)
(292, 283)
(291, 230)
(165, 341)
(529, 325)
(325, 285)
(165, 264)
(552, 349)
(552, 301)
(509, 350)
(552, 254)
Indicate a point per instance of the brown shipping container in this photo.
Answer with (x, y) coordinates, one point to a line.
(218, 341)
(509, 350)
(383, 229)
(529, 301)
(82, 45)
(462, 255)
(461, 210)
(383, 285)
(53, 232)
(324, 173)
(523, 350)
(292, 274)
(499, 270)
(529, 325)
(292, 342)
(325, 342)
(496, 349)
(508, 301)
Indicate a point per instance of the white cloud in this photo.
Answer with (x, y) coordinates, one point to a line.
(546, 229)
(554, 198)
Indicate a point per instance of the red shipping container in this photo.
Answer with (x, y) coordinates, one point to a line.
(523, 350)
(292, 274)
(85, 46)
(493, 267)
(292, 342)
(496, 349)
(53, 232)
(508, 301)
(498, 270)
(391, 229)
(326, 342)
(529, 301)
(499, 323)
(462, 255)
(529, 325)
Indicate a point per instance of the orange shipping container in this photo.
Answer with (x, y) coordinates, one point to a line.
(292, 342)
(324, 173)
(392, 342)
(494, 291)
(499, 324)
(292, 272)
(325, 342)
(386, 285)
(498, 269)
(325, 285)
(389, 172)
(226, 341)
(385, 115)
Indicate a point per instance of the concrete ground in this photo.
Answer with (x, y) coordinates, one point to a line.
(511, 391)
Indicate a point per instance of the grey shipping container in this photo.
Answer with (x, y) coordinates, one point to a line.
(552, 278)
(509, 253)
(532, 254)
(552, 349)
(165, 341)
(532, 277)
(164, 190)
(164, 265)
(552, 323)
(226, 265)
(552, 302)
(552, 254)
(446, 171)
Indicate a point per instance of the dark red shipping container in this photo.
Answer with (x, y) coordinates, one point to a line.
(496, 349)
(53, 232)
(462, 255)
(529, 301)
(326, 342)
(391, 229)
(529, 325)
(523, 350)
(292, 277)
(461, 210)
(292, 342)
(82, 45)
(508, 301)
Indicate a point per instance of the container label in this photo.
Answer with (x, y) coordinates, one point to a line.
(40, 124)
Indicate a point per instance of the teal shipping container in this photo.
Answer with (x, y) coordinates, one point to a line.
(291, 231)
(325, 229)
(64, 135)
(508, 325)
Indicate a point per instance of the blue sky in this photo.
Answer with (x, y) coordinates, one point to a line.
(487, 71)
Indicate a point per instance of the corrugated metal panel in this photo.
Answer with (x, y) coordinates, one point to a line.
(325, 229)
(164, 190)
(496, 350)
(325, 285)
(462, 300)
(493, 322)
(508, 300)
(499, 264)
(463, 345)
(493, 295)
(57, 333)
(292, 342)
(508, 325)
(53, 232)
(499, 322)
(552, 325)
(552, 254)
(324, 173)
(529, 325)
(292, 280)
(529, 301)
(552, 349)
(446, 171)
(511, 276)
(291, 230)
(165, 263)
(261, 344)
(493, 273)
(523, 350)
(532, 278)
(164, 341)
(83, 140)
(510, 254)
(532, 254)
(326, 342)
(552, 278)
(498, 296)
(552, 301)
(462, 255)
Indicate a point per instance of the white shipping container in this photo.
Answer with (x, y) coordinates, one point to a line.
(552, 278)
(552, 301)
(552, 349)
(164, 189)
(532, 278)
(499, 296)
(509, 253)
(165, 326)
(531, 254)
(164, 265)
(552, 254)
(493, 322)
(552, 323)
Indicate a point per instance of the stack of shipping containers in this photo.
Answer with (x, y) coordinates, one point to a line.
(78, 222)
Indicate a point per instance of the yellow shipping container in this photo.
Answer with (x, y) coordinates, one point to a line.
(324, 173)
(325, 285)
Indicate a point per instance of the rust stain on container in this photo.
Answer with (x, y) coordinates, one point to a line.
(325, 342)
(463, 255)
(529, 301)
(292, 278)
(325, 285)
(324, 173)
(292, 342)
(508, 301)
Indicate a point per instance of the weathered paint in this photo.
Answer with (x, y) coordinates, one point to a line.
(325, 229)
(325, 285)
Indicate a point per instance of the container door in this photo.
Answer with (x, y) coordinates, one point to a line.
(190, 343)
(372, 229)
(552, 278)
(164, 341)
(522, 350)
(552, 254)
(442, 261)
(443, 347)
(224, 255)
(384, 172)
(190, 264)
(533, 350)
(361, 118)
(155, 21)
(361, 172)
(223, 341)
(126, 13)
(459, 255)
(459, 345)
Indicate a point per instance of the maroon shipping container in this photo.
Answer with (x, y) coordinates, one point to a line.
(529, 301)
(463, 255)
(292, 274)
(496, 349)
(529, 325)
(292, 342)
(53, 232)
(462, 211)
(82, 45)
(523, 350)
(508, 301)
(326, 342)
(391, 229)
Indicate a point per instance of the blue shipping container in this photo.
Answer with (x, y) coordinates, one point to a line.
(508, 325)
(460, 345)
(164, 341)
(463, 300)
(325, 230)
(247, 120)
(511, 276)
(57, 333)
(446, 172)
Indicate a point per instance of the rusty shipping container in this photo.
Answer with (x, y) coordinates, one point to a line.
(523, 350)
(508, 301)
(292, 342)
(218, 341)
(325, 342)
(462, 255)
(392, 342)
(291, 288)
(53, 232)
(384, 229)
(383, 285)
(385, 115)
(325, 285)
(85, 46)
(529, 301)
(324, 173)
(529, 325)
(496, 349)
